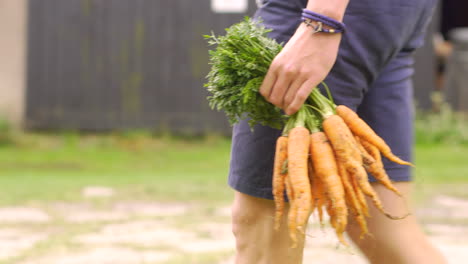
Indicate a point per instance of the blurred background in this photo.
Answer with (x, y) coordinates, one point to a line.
(109, 152)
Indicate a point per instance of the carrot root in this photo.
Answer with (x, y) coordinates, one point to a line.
(298, 154)
(363, 130)
(279, 179)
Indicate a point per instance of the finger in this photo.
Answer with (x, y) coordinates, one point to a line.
(280, 88)
(267, 84)
(300, 97)
(293, 88)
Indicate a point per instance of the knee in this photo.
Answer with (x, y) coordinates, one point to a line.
(250, 213)
(243, 219)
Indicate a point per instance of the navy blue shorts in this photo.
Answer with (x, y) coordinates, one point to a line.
(372, 75)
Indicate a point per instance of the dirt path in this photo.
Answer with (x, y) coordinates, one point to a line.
(135, 232)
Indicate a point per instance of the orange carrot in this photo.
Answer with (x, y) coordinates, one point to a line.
(361, 129)
(289, 190)
(360, 196)
(352, 200)
(348, 154)
(376, 168)
(325, 167)
(371, 149)
(361, 220)
(298, 151)
(360, 174)
(292, 214)
(341, 139)
(367, 159)
(279, 178)
(311, 180)
(318, 197)
(320, 201)
(362, 179)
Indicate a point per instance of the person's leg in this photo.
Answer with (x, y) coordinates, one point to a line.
(388, 108)
(256, 240)
(394, 241)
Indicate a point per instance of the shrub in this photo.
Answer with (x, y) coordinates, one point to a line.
(441, 126)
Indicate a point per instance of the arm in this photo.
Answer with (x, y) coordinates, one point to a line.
(304, 61)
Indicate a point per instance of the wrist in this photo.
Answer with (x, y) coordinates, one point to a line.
(331, 8)
(321, 23)
(304, 34)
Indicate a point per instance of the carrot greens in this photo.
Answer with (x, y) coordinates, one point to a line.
(239, 63)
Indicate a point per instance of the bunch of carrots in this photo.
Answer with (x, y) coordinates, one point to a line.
(322, 160)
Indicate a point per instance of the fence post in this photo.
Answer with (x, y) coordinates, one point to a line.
(13, 56)
(456, 84)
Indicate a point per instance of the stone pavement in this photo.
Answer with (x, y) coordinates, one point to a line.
(138, 232)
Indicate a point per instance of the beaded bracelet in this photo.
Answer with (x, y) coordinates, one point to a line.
(317, 21)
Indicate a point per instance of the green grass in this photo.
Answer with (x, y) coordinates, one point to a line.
(441, 163)
(46, 167)
(56, 168)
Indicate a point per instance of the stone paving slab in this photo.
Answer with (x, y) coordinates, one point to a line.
(147, 233)
(151, 208)
(105, 255)
(14, 241)
(23, 215)
(130, 239)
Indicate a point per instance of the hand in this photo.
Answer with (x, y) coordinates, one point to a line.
(303, 63)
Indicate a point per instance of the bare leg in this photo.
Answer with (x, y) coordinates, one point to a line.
(394, 241)
(256, 240)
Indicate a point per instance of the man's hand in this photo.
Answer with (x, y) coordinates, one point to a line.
(302, 64)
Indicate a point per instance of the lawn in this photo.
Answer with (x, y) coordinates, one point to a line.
(47, 167)
(55, 167)
(48, 172)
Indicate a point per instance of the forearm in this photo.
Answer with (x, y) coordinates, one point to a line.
(331, 8)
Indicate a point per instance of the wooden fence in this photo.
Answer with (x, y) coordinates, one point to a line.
(118, 64)
(126, 64)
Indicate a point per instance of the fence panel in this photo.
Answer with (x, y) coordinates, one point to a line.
(101, 65)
